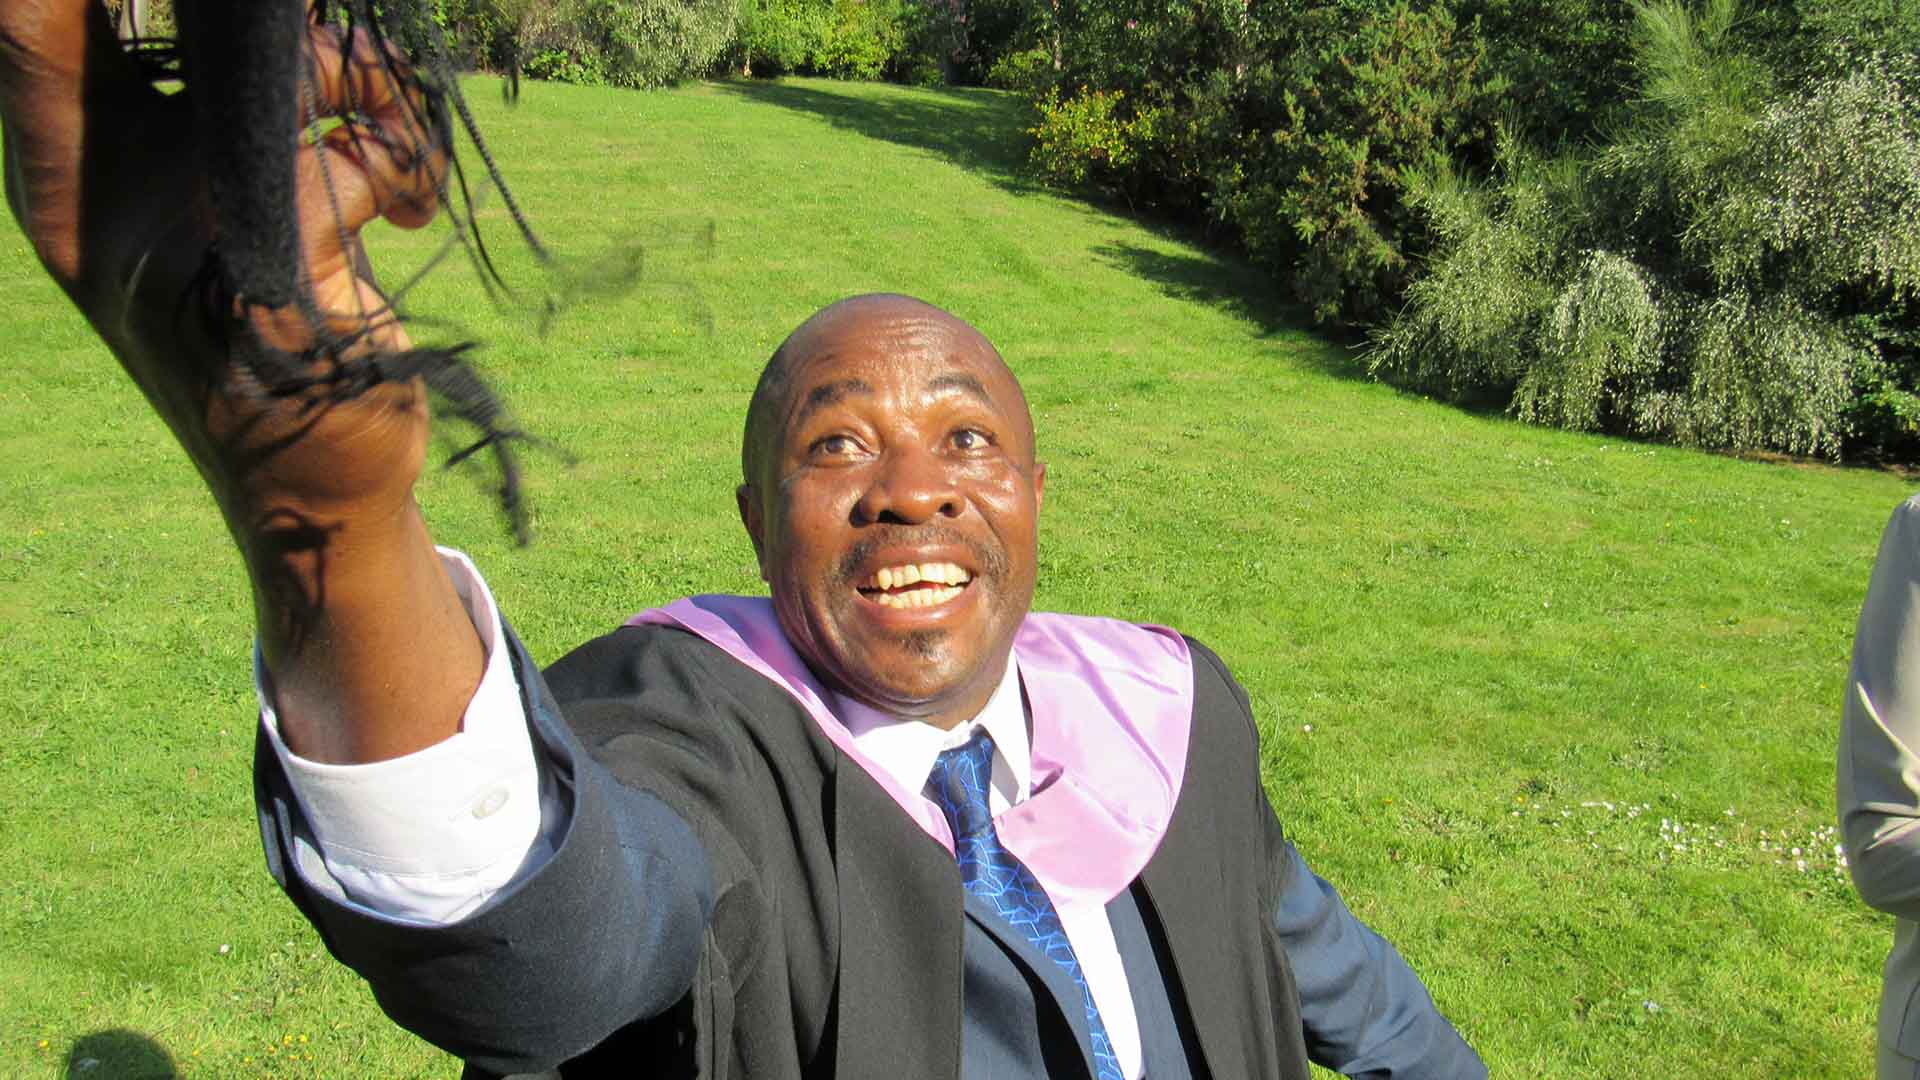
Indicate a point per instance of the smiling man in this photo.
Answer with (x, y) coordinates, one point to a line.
(892, 492)
(886, 822)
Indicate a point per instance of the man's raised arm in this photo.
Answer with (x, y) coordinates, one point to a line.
(368, 649)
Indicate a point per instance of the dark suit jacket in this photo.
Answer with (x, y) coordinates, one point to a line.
(731, 897)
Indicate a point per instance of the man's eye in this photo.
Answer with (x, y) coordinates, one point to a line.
(971, 439)
(834, 445)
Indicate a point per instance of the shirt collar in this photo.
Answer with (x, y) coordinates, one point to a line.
(906, 749)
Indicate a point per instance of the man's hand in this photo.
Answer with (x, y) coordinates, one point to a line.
(369, 650)
(102, 174)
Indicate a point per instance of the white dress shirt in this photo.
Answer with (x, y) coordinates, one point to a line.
(428, 838)
(906, 750)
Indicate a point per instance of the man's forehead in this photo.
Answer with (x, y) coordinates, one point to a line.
(867, 345)
(832, 385)
(919, 347)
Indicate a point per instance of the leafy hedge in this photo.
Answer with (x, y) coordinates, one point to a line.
(646, 43)
(633, 43)
(1738, 268)
(1328, 136)
(1295, 129)
(1694, 225)
(842, 39)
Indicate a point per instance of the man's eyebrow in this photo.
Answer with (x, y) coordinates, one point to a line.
(829, 393)
(963, 381)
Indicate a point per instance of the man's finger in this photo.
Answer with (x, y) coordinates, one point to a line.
(356, 79)
(401, 180)
(384, 135)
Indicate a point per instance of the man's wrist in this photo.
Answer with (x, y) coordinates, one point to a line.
(369, 648)
(428, 836)
(312, 565)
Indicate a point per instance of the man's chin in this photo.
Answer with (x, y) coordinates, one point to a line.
(919, 668)
(944, 693)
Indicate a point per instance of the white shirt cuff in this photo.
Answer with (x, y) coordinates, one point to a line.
(429, 837)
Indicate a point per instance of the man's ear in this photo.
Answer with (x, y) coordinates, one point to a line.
(747, 499)
(1039, 485)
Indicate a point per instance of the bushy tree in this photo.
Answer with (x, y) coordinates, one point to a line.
(1291, 127)
(1360, 99)
(484, 33)
(1089, 138)
(842, 39)
(1738, 268)
(631, 43)
(1468, 328)
(863, 38)
(1829, 38)
(777, 36)
(1562, 66)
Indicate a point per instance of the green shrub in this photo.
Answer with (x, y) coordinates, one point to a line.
(1297, 126)
(1697, 223)
(777, 36)
(481, 33)
(862, 37)
(558, 63)
(842, 39)
(994, 30)
(1085, 139)
(1600, 348)
(632, 43)
(1884, 416)
(1767, 375)
(1740, 268)
(1561, 64)
(1028, 72)
(1825, 193)
(916, 68)
(1329, 134)
(1468, 330)
(1831, 38)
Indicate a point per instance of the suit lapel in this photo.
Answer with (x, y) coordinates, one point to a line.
(1060, 986)
(900, 939)
(1183, 890)
(1163, 1039)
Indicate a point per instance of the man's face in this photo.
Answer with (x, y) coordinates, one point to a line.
(894, 512)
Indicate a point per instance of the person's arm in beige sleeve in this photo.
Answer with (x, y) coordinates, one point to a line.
(1879, 758)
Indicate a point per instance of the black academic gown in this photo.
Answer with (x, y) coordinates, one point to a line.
(732, 897)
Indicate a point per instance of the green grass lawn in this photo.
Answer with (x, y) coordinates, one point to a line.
(1553, 711)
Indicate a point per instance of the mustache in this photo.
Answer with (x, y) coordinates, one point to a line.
(987, 561)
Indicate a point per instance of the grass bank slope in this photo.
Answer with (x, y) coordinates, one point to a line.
(1555, 712)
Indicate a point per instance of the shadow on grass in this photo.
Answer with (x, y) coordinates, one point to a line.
(982, 131)
(119, 1054)
(978, 130)
(1243, 291)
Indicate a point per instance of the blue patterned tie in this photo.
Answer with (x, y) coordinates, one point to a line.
(959, 783)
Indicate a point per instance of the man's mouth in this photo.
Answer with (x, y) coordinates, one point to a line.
(915, 585)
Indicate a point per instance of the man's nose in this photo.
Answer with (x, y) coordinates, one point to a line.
(909, 487)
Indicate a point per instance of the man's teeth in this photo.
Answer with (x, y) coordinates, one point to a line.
(918, 598)
(943, 582)
(899, 577)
